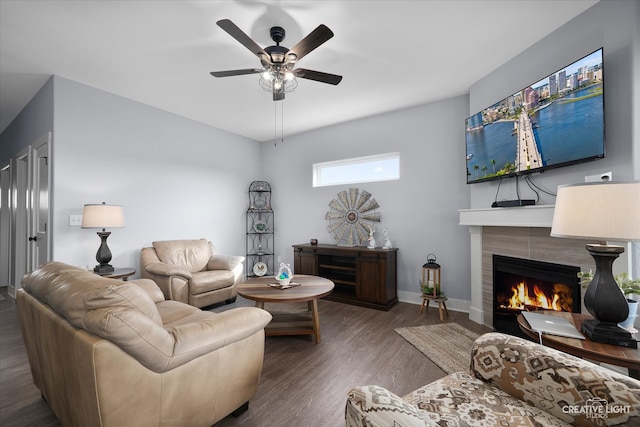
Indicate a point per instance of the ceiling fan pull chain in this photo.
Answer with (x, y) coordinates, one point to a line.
(275, 123)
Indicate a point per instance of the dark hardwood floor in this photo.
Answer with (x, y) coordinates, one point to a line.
(302, 383)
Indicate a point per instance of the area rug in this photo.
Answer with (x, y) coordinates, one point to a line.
(448, 345)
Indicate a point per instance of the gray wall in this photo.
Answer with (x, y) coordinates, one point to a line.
(35, 120)
(175, 178)
(420, 211)
(609, 24)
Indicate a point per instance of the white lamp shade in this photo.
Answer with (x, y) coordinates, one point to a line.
(102, 216)
(601, 211)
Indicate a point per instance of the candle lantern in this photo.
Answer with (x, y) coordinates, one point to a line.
(431, 276)
(431, 287)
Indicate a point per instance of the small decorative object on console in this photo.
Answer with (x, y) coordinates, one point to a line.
(372, 240)
(387, 241)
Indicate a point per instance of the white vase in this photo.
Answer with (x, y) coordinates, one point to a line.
(633, 313)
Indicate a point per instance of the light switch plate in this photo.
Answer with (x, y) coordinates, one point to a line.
(75, 220)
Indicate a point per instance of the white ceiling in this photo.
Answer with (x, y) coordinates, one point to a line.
(393, 54)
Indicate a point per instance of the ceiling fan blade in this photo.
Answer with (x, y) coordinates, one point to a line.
(314, 39)
(235, 72)
(235, 32)
(318, 76)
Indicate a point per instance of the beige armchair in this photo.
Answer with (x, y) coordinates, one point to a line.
(190, 271)
(109, 353)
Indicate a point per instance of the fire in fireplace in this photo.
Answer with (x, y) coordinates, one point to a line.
(521, 284)
(538, 297)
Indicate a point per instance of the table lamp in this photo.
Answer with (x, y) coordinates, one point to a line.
(601, 211)
(103, 216)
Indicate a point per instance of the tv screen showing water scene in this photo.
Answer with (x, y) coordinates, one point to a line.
(557, 121)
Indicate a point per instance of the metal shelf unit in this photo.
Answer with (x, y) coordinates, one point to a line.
(259, 230)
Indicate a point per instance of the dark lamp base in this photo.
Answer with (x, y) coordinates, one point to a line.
(609, 333)
(103, 269)
(103, 256)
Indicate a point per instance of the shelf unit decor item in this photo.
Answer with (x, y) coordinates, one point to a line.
(364, 277)
(260, 231)
(352, 216)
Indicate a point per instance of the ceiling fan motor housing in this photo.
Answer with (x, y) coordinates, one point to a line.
(277, 34)
(277, 53)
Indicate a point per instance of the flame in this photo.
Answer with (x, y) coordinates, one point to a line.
(521, 298)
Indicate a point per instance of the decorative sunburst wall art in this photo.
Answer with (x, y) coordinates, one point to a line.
(351, 216)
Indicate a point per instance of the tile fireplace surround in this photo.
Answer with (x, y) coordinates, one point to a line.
(521, 232)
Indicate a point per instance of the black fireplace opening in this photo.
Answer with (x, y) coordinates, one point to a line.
(529, 285)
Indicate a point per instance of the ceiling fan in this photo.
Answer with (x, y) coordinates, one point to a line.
(278, 73)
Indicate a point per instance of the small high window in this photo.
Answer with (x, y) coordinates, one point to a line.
(381, 167)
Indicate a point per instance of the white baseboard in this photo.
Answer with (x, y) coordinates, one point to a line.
(452, 304)
(476, 315)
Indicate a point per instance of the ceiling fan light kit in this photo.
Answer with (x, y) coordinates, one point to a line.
(278, 73)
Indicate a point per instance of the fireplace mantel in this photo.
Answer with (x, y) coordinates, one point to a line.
(476, 219)
(522, 232)
(522, 216)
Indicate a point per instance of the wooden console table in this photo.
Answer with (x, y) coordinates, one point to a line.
(365, 277)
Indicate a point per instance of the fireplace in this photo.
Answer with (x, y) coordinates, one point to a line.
(523, 284)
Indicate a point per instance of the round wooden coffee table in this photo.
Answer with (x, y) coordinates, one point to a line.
(310, 290)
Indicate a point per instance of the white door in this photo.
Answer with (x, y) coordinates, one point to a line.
(5, 225)
(39, 237)
(29, 206)
(21, 207)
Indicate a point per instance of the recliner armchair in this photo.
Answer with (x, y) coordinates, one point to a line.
(191, 271)
(109, 353)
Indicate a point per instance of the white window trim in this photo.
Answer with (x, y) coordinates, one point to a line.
(317, 168)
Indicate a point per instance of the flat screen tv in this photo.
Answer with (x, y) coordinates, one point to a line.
(557, 121)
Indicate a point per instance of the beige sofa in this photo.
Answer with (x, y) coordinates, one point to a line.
(109, 353)
(191, 271)
(512, 382)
